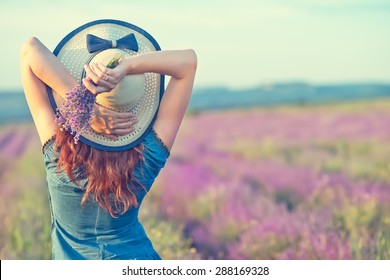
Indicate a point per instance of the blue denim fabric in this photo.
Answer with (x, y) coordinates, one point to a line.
(90, 232)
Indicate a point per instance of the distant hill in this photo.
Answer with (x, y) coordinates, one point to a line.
(13, 106)
(288, 93)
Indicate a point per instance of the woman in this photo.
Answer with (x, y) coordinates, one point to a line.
(96, 188)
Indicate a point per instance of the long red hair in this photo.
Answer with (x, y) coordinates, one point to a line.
(110, 179)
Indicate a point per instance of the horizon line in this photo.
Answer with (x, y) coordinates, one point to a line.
(260, 85)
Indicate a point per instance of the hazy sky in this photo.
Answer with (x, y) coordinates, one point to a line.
(239, 43)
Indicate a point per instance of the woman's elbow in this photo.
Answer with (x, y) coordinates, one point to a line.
(188, 63)
(192, 59)
(29, 45)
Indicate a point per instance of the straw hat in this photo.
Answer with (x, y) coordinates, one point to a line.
(139, 94)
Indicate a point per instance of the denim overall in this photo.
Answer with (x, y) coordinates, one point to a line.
(88, 231)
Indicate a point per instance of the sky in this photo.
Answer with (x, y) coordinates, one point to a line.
(239, 44)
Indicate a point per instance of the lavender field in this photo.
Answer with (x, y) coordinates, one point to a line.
(292, 182)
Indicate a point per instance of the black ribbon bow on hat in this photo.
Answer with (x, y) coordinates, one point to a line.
(95, 43)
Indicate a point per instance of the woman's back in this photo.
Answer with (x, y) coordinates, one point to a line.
(88, 231)
(132, 106)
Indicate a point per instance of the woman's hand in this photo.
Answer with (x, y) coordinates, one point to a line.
(111, 123)
(100, 78)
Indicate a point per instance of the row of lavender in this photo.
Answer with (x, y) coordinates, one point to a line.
(282, 183)
(279, 183)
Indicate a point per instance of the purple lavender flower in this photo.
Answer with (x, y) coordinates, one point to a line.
(75, 114)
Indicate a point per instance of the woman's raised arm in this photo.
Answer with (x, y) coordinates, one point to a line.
(180, 65)
(39, 67)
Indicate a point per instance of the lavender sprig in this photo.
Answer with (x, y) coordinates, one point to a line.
(113, 62)
(75, 114)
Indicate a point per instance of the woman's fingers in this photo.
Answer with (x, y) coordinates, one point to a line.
(100, 73)
(104, 71)
(103, 68)
(111, 115)
(117, 115)
(116, 124)
(112, 137)
(114, 133)
(89, 85)
(124, 125)
(91, 74)
(124, 131)
(109, 122)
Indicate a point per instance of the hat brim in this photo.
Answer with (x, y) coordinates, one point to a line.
(72, 52)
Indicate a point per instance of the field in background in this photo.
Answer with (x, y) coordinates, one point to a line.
(287, 182)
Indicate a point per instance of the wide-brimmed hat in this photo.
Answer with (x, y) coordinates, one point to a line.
(139, 94)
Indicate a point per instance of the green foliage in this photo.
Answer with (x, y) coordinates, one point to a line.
(206, 203)
(29, 232)
(255, 149)
(193, 112)
(367, 226)
(291, 199)
(27, 223)
(114, 62)
(167, 237)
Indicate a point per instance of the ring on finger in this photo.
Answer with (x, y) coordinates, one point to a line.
(105, 77)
